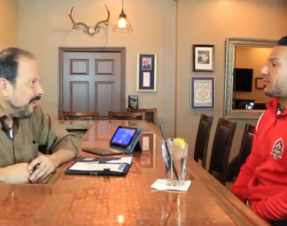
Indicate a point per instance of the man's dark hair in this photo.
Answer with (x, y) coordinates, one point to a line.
(282, 41)
(9, 62)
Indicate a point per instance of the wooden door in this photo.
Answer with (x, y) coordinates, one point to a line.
(92, 80)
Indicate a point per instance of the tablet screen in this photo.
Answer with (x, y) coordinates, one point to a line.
(123, 136)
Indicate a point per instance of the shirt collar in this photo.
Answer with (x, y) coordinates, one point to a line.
(280, 109)
(2, 112)
(2, 118)
(274, 107)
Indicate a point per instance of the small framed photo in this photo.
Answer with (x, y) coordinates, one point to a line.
(259, 83)
(147, 72)
(203, 58)
(202, 93)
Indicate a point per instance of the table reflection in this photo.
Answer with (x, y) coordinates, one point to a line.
(100, 134)
(173, 211)
(148, 144)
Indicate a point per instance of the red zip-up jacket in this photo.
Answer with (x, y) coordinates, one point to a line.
(262, 180)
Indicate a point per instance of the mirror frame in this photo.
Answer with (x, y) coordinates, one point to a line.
(231, 43)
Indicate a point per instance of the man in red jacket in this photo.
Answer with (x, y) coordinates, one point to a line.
(262, 181)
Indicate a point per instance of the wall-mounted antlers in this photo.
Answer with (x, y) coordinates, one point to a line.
(89, 29)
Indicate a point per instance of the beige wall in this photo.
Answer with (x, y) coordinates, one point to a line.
(210, 22)
(44, 26)
(252, 58)
(8, 23)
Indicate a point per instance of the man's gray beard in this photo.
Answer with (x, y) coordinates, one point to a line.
(21, 112)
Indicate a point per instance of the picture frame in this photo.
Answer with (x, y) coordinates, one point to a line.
(202, 93)
(146, 72)
(203, 58)
(259, 83)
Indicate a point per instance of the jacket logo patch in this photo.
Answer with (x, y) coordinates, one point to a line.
(278, 149)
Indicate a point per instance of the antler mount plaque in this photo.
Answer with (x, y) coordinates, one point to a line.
(89, 29)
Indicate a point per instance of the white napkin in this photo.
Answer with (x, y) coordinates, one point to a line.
(160, 184)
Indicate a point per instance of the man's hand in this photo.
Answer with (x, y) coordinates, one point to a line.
(40, 167)
(15, 174)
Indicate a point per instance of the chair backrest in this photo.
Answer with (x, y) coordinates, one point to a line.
(222, 143)
(80, 115)
(150, 114)
(126, 115)
(202, 138)
(244, 151)
(246, 143)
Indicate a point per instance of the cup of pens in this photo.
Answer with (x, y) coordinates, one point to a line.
(174, 152)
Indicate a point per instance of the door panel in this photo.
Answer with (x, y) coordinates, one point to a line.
(106, 91)
(79, 96)
(91, 81)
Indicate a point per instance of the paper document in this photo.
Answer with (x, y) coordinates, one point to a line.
(146, 79)
(127, 160)
(85, 166)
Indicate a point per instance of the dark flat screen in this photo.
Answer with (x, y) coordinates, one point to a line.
(243, 79)
(123, 136)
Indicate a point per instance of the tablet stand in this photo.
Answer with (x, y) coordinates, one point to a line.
(138, 147)
(133, 146)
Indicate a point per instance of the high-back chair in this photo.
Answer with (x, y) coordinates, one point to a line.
(80, 115)
(202, 139)
(246, 143)
(244, 151)
(126, 115)
(85, 116)
(222, 143)
(150, 114)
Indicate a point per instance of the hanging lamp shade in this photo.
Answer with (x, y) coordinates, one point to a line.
(122, 24)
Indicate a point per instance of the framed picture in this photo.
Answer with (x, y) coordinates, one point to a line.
(203, 58)
(146, 72)
(202, 93)
(259, 83)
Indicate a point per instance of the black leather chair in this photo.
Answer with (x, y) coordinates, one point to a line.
(222, 143)
(202, 139)
(244, 151)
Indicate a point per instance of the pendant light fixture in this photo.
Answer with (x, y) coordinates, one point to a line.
(122, 24)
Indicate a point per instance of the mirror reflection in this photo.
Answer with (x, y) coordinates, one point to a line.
(243, 93)
(247, 78)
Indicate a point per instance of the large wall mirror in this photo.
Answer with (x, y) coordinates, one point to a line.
(244, 96)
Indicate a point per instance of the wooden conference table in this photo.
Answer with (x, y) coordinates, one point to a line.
(111, 201)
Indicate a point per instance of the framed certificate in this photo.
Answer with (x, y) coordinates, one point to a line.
(146, 72)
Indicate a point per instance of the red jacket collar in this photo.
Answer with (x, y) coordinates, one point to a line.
(273, 106)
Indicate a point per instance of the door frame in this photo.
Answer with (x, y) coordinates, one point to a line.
(62, 50)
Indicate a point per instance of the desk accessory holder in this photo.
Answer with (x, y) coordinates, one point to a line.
(134, 146)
